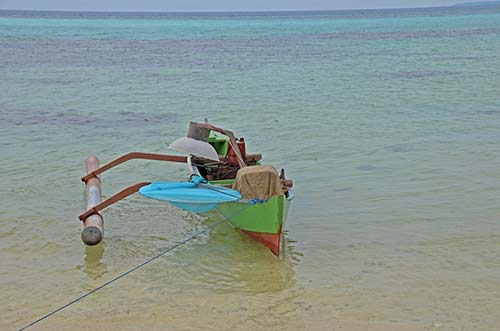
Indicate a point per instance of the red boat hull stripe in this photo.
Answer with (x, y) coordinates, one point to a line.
(270, 240)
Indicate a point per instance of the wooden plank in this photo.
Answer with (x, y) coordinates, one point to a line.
(254, 157)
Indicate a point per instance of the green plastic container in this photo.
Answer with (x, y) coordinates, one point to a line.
(220, 142)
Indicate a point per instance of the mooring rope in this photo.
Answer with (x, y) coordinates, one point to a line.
(179, 244)
(185, 241)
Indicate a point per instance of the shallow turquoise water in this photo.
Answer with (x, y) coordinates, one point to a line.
(387, 121)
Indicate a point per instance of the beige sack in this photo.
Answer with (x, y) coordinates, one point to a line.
(260, 181)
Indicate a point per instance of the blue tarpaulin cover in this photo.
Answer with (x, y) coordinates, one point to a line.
(190, 196)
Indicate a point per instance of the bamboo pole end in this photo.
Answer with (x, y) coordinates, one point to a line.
(91, 236)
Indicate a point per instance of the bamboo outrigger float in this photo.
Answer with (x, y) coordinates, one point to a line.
(254, 198)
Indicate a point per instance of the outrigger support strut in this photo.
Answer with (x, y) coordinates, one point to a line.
(93, 231)
(134, 155)
(115, 198)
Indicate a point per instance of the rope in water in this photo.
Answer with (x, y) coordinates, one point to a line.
(179, 244)
(239, 197)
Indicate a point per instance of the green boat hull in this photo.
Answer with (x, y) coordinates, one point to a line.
(262, 221)
(267, 217)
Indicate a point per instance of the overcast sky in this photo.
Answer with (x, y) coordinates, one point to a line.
(214, 5)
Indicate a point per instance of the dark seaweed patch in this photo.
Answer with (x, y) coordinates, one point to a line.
(408, 34)
(421, 74)
(70, 117)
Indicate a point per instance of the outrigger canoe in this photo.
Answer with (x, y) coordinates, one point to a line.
(223, 178)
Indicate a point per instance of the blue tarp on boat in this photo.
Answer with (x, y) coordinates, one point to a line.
(192, 196)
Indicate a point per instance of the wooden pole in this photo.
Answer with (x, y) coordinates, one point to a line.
(95, 209)
(130, 156)
(93, 231)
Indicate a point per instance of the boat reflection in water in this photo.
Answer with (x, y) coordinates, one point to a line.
(92, 263)
(230, 261)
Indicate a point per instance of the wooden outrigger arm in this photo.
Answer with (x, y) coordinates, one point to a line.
(92, 220)
(115, 198)
(134, 155)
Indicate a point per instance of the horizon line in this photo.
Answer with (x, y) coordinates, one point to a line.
(458, 4)
(223, 11)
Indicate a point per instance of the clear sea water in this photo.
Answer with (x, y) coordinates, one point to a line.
(387, 121)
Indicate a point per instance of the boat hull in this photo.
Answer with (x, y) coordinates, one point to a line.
(262, 222)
